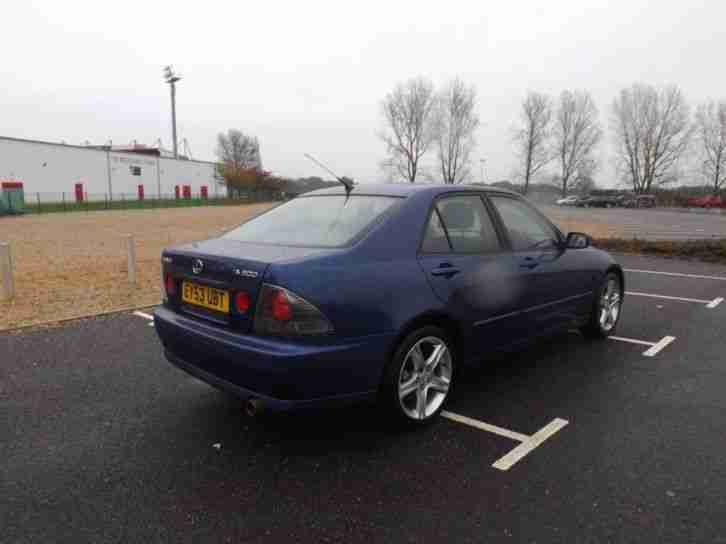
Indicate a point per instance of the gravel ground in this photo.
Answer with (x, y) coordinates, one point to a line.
(68, 265)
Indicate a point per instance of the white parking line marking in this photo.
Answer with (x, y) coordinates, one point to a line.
(144, 315)
(696, 276)
(631, 340)
(715, 302)
(484, 426)
(528, 443)
(668, 297)
(659, 346)
(506, 462)
(653, 347)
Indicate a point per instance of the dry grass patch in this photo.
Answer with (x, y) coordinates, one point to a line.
(74, 264)
(596, 230)
(710, 251)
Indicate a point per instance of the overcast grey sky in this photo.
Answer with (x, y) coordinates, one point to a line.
(309, 76)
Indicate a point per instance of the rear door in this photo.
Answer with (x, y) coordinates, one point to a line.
(461, 254)
(556, 285)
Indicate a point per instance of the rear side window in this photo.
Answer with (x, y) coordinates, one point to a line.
(460, 224)
(435, 240)
(527, 230)
(316, 221)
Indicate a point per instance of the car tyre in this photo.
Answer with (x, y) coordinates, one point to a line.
(419, 378)
(606, 308)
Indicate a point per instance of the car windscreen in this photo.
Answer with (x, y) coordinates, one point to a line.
(315, 221)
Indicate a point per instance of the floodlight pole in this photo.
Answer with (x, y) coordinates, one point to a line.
(173, 117)
(171, 78)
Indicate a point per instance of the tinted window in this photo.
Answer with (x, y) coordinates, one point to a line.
(319, 221)
(468, 224)
(527, 230)
(435, 240)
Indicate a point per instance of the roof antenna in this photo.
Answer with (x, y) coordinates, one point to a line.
(347, 182)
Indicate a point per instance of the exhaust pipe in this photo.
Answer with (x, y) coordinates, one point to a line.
(253, 407)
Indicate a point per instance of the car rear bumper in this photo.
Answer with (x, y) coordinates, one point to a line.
(283, 374)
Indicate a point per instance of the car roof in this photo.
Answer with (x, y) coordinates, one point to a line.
(405, 189)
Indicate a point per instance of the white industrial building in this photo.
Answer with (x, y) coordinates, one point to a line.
(52, 169)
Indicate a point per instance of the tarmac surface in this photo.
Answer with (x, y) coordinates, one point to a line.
(102, 440)
(646, 223)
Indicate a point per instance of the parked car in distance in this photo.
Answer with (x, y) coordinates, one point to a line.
(598, 201)
(711, 201)
(568, 201)
(639, 201)
(601, 201)
(383, 292)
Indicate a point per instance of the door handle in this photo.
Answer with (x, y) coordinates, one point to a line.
(529, 262)
(446, 271)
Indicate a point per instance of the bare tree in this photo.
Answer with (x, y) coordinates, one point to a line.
(586, 185)
(408, 112)
(239, 162)
(711, 123)
(652, 131)
(533, 138)
(238, 151)
(455, 125)
(576, 134)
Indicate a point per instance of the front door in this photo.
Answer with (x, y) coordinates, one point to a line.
(556, 289)
(462, 257)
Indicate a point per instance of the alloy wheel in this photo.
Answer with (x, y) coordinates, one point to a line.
(425, 378)
(610, 304)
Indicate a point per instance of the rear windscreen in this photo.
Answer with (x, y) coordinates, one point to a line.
(319, 221)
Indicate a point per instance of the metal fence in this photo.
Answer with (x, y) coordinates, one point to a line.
(69, 202)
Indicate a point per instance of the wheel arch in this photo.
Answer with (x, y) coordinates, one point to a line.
(430, 318)
(621, 276)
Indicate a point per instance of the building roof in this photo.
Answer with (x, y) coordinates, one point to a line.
(97, 149)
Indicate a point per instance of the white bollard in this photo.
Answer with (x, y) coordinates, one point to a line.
(131, 259)
(6, 273)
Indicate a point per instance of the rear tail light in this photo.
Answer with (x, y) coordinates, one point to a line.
(169, 285)
(242, 302)
(283, 313)
(281, 307)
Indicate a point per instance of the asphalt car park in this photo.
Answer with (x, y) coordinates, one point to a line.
(648, 224)
(103, 440)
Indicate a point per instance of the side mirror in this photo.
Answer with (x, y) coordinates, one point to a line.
(577, 240)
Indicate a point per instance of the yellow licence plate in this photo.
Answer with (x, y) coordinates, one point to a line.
(206, 297)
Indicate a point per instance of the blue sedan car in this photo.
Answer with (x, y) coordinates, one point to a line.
(382, 292)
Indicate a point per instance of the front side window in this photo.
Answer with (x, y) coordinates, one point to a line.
(460, 224)
(527, 230)
(315, 221)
